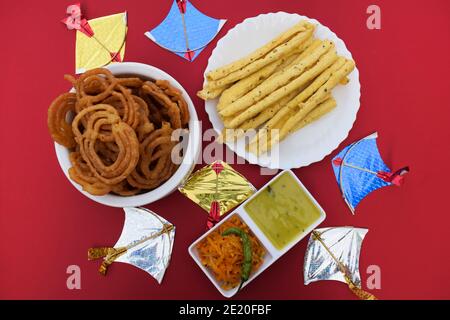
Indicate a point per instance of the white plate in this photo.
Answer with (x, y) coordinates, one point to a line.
(314, 142)
(273, 254)
(183, 171)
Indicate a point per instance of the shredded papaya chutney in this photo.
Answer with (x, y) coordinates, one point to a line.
(282, 210)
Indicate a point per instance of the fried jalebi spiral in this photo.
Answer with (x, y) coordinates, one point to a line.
(145, 126)
(121, 133)
(171, 108)
(120, 138)
(125, 189)
(81, 174)
(84, 81)
(59, 128)
(131, 82)
(155, 164)
(176, 96)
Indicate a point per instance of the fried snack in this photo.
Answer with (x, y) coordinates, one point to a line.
(324, 62)
(277, 82)
(120, 133)
(176, 96)
(304, 108)
(155, 165)
(130, 82)
(257, 54)
(125, 189)
(103, 77)
(318, 82)
(278, 89)
(264, 135)
(284, 50)
(274, 82)
(293, 59)
(254, 123)
(206, 93)
(145, 126)
(317, 113)
(155, 115)
(172, 110)
(243, 86)
(120, 138)
(272, 110)
(124, 102)
(81, 174)
(59, 111)
(289, 109)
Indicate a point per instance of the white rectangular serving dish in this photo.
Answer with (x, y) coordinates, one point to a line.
(273, 253)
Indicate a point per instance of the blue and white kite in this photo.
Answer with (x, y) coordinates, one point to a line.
(185, 31)
(359, 170)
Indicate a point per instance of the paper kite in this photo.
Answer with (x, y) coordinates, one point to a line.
(99, 41)
(185, 31)
(146, 242)
(333, 254)
(359, 170)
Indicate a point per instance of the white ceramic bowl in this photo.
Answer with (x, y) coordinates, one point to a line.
(183, 171)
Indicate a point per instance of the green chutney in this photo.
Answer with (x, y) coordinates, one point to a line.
(283, 210)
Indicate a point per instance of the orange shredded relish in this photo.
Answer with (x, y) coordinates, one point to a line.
(224, 255)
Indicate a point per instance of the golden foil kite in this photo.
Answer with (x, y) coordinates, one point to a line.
(333, 254)
(146, 242)
(217, 188)
(99, 41)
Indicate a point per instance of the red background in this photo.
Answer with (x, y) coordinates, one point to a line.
(46, 225)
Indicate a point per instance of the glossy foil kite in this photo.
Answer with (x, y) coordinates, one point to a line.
(217, 188)
(359, 170)
(333, 254)
(185, 31)
(146, 242)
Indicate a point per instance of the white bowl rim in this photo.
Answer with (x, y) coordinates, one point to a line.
(185, 168)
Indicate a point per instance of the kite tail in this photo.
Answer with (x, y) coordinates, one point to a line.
(110, 254)
(360, 293)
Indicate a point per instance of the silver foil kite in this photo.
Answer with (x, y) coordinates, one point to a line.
(146, 242)
(333, 254)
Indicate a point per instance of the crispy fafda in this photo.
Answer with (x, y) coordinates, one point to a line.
(277, 89)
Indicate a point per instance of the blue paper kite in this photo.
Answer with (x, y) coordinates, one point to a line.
(185, 31)
(359, 170)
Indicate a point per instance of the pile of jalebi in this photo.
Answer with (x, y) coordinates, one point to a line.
(120, 138)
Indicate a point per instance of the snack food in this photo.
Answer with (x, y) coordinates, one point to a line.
(275, 219)
(120, 138)
(224, 256)
(269, 104)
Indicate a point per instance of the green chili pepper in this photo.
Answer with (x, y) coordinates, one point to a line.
(247, 252)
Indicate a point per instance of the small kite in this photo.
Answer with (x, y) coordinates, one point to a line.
(333, 254)
(146, 242)
(217, 188)
(99, 41)
(185, 31)
(360, 170)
